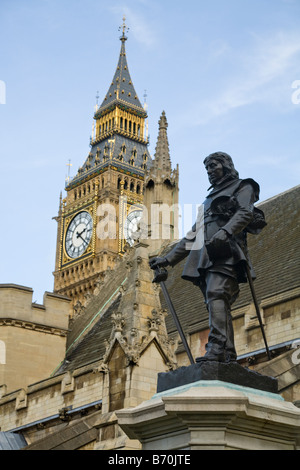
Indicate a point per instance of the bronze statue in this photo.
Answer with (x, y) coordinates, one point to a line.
(216, 250)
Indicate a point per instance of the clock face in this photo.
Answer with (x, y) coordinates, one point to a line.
(131, 226)
(79, 234)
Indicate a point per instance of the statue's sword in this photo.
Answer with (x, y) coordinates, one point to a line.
(251, 284)
(161, 275)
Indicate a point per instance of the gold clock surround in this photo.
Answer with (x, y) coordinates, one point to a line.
(66, 259)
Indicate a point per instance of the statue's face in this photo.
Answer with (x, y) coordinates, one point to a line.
(214, 170)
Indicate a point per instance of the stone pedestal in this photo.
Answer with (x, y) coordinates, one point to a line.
(231, 372)
(213, 415)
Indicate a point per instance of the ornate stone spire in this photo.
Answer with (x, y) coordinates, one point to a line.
(162, 159)
(161, 169)
(161, 194)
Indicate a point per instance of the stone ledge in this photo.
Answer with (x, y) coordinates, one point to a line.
(33, 326)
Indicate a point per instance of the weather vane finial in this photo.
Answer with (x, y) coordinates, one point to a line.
(124, 29)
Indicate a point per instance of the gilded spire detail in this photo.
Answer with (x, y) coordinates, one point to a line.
(124, 30)
(121, 88)
(118, 121)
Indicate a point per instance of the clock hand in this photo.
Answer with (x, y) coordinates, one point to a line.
(79, 234)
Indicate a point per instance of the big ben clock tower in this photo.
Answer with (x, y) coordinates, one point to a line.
(112, 172)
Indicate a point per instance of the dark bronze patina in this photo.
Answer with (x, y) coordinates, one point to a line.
(216, 252)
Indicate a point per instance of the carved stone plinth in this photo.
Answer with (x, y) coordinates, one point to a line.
(213, 415)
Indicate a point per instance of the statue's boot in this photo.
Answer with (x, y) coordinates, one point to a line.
(220, 346)
(230, 352)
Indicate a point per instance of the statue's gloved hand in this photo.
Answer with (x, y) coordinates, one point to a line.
(218, 247)
(219, 238)
(158, 262)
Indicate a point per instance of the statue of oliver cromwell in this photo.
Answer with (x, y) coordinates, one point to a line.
(216, 249)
